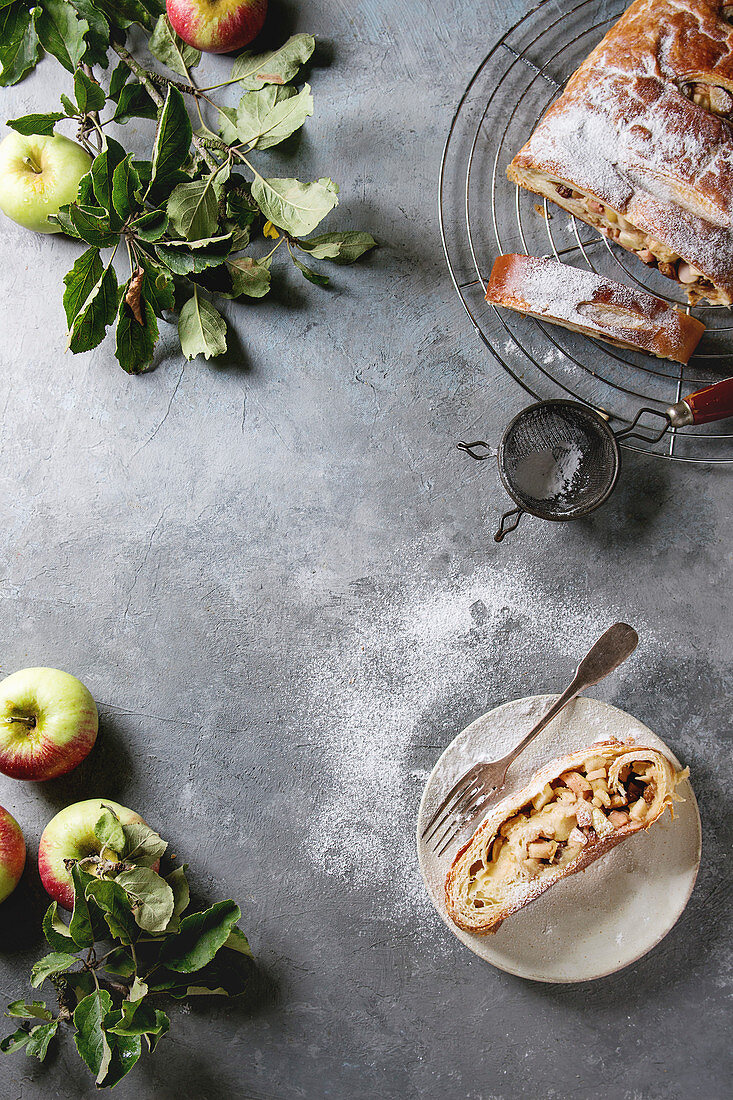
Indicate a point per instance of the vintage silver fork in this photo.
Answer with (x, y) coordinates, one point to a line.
(474, 791)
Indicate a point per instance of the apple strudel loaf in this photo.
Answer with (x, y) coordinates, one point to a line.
(573, 811)
(640, 143)
(586, 302)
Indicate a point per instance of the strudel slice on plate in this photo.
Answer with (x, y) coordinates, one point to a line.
(571, 812)
(640, 143)
(586, 302)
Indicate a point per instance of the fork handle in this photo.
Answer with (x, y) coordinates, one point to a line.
(612, 648)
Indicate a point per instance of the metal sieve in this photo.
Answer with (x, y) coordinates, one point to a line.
(560, 460)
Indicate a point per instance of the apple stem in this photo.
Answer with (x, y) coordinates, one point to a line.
(32, 164)
(28, 721)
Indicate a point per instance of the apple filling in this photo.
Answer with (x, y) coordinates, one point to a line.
(578, 809)
(618, 228)
(711, 97)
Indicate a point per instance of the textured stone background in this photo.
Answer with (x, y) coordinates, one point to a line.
(261, 569)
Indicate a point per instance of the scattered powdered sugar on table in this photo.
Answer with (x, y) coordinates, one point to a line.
(550, 473)
(384, 693)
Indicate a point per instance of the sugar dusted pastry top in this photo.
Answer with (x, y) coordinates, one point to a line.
(626, 131)
(588, 302)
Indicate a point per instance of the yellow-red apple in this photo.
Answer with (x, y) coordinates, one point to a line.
(217, 26)
(48, 723)
(12, 853)
(70, 835)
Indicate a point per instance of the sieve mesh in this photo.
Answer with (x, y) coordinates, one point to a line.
(558, 459)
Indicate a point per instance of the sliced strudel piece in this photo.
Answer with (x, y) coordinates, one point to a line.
(640, 143)
(588, 303)
(571, 812)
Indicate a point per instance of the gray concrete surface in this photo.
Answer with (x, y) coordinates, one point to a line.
(276, 575)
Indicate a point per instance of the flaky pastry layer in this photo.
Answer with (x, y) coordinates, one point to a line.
(573, 811)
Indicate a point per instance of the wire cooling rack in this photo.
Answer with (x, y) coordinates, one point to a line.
(483, 215)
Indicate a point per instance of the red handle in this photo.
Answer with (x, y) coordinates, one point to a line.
(712, 403)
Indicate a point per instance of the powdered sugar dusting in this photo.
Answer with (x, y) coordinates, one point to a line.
(388, 691)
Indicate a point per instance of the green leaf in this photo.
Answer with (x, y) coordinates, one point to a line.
(139, 1019)
(228, 124)
(171, 50)
(142, 844)
(193, 208)
(71, 109)
(115, 904)
(267, 117)
(35, 1010)
(250, 277)
(150, 226)
(79, 282)
(15, 1041)
(96, 314)
(274, 67)
(173, 137)
(294, 206)
(81, 925)
(158, 289)
(201, 329)
(98, 35)
(187, 263)
(54, 963)
(237, 941)
(119, 77)
(40, 1037)
(92, 225)
(108, 829)
(181, 896)
(137, 990)
(126, 191)
(103, 170)
(341, 248)
(124, 1053)
(89, 95)
(153, 895)
(62, 32)
(56, 931)
(134, 102)
(90, 1039)
(20, 48)
(36, 124)
(309, 274)
(135, 343)
(120, 962)
(200, 937)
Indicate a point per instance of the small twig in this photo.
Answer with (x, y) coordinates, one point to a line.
(93, 116)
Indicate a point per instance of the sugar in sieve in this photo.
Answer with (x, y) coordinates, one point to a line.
(560, 460)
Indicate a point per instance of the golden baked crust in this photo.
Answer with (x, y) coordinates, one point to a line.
(641, 142)
(585, 302)
(501, 868)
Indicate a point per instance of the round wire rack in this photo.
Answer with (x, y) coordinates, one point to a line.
(483, 215)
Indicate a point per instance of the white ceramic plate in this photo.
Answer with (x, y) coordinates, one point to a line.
(603, 918)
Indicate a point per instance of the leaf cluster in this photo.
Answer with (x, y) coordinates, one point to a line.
(194, 218)
(132, 937)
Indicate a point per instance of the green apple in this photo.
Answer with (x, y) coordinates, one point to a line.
(37, 176)
(48, 723)
(12, 853)
(70, 835)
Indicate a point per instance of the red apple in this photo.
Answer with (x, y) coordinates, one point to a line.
(12, 853)
(48, 723)
(217, 26)
(70, 835)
